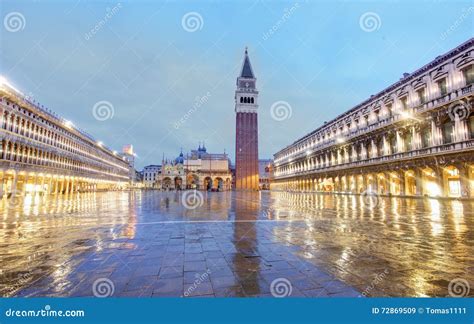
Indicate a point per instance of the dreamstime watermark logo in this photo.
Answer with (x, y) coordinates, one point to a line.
(103, 110)
(287, 13)
(455, 25)
(192, 21)
(281, 287)
(370, 22)
(192, 199)
(103, 287)
(14, 22)
(110, 13)
(376, 281)
(459, 287)
(281, 110)
(459, 110)
(200, 278)
(198, 103)
(370, 199)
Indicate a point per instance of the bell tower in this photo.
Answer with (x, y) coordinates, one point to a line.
(246, 139)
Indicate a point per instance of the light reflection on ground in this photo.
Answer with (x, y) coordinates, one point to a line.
(57, 246)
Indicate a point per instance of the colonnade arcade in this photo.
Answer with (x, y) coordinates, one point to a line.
(437, 179)
(13, 182)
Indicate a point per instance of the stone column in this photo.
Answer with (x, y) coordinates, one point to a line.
(375, 183)
(464, 180)
(25, 182)
(14, 184)
(364, 182)
(439, 179)
(388, 187)
(2, 185)
(436, 135)
(42, 183)
(460, 130)
(401, 179)
(50, 186)
(419, 181)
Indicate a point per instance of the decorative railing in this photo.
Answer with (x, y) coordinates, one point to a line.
(20, 139)
(387, 120)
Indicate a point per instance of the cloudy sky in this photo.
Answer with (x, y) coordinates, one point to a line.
(161, 74)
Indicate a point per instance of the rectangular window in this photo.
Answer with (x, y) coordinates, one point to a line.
(448, 129)
(469, 74)
(442, 87)
(426, 137)
(408, 142)
(421, 96)
(393, 145)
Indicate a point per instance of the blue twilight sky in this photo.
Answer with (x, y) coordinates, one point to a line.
(152, 67)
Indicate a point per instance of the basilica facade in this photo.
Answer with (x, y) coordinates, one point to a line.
(414, 138)
(198, 170)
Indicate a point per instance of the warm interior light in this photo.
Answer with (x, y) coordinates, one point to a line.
(433, 189)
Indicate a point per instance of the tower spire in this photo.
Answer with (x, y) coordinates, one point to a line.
(247, 71)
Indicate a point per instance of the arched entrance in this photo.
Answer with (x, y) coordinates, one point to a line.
(218, 184)
(178, 183)
(166, 183)
(430, 183)
(208, 183)
(192, 181)
(410, 182)
(452, 181)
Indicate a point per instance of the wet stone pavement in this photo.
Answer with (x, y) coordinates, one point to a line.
(233, 244)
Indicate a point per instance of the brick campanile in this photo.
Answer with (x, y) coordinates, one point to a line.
(246, 121)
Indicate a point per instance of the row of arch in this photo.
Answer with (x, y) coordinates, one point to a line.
(449, 181)
(410, 140)
(27, 126)
(249, 100)
(18, 184)
(391, 106)
(193, 181)
(17, 152)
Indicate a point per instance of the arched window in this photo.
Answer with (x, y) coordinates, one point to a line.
(251, 100)
(241, 99)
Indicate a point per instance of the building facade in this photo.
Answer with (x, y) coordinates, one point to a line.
(246, 140)
(151, 175)
(129, 155)
(42, 152)
(415, 138)
(198, 170)
(264, 173)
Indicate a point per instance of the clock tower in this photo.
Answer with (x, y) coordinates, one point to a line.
(246, 140)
